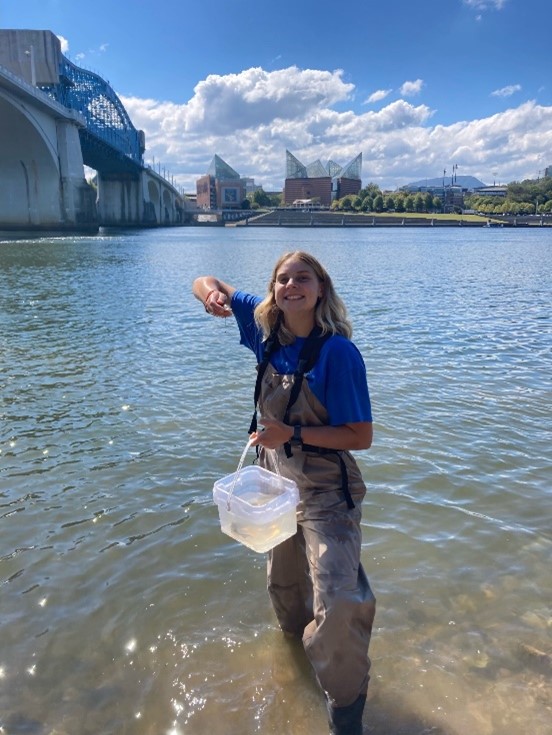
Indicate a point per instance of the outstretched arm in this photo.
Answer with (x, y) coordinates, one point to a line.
(214, 294)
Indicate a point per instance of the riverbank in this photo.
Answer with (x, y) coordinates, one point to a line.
(306, 218)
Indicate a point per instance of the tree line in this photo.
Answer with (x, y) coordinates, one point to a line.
(527, 197)
(372, 199)
(532, 196)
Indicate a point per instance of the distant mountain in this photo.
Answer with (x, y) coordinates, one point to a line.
(466, 182)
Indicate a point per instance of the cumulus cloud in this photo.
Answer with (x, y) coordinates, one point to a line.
(64, 44)
(377, 96)
(255, 97)
(251, 118)
(507, 91)
(409, 89)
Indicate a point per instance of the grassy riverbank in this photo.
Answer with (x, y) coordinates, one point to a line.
(304, 218)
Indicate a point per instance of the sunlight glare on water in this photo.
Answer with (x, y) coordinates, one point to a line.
(124, 609)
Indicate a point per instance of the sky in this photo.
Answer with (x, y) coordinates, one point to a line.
(417, 87)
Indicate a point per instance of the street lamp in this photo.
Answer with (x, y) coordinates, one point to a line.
(31, 53)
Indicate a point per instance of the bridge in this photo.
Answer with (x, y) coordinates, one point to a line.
(56, 118)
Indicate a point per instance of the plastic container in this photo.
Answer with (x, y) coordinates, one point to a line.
(256, 506)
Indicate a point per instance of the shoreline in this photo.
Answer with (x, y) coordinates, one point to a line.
(294, 218)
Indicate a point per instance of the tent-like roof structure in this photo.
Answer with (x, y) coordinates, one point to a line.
(219, 169)
(316, 170)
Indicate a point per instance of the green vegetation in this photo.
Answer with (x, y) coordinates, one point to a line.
(259, 199)
(528, 197)
(452, 216)
(372, 199)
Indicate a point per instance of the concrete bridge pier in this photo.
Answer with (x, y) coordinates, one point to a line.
(42, 184)
(77, 198)
(161, 206)
(120, 199)
(141, 199)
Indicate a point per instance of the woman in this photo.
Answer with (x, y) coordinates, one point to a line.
(315, 579)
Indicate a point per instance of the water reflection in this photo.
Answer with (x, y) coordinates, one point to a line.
(123, 609)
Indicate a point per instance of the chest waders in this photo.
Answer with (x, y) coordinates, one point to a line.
(307, 359)
(315, 579)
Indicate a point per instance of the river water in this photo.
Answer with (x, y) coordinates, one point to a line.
(125, 610)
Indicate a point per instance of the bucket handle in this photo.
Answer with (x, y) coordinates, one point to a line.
(240, 465)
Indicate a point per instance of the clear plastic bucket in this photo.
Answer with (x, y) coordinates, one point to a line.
(256, 507)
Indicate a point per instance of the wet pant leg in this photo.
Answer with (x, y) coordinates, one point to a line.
(290, 585)
(336, 640)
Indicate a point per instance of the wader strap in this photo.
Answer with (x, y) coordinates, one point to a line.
(342, 467)
(271, 345)
(307, 359)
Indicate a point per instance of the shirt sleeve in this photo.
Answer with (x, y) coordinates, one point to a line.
(243, 305)
(342, 383)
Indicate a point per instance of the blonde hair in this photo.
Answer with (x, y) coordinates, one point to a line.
(330, 313)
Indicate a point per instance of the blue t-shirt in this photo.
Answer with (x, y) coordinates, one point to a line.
(338, 379)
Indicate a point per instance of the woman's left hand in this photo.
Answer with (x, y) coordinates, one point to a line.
(274, 434)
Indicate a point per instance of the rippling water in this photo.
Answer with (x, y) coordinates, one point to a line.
(125, 610)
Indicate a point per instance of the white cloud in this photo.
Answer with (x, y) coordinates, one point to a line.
(255, 97)
(485, 4)
(377, 96)
(251, 118)
(64, 44)
(409, 89)
(507, 91)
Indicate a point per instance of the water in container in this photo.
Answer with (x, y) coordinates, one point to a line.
(257, 507)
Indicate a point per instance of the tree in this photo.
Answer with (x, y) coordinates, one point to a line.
(378, 203)
(419, 204)
(370, 190)
(399, 204)
(409, 203)
(347, 202)
(368, 204)
(389, 203)
(261, 198)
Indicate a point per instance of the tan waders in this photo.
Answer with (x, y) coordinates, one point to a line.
(317, 585)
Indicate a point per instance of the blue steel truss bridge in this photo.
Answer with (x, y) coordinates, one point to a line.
(110, 142)
(56, 116)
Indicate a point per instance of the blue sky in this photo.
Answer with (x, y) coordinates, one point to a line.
(417, 87)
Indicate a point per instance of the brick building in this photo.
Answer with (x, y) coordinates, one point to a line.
(221, 187)
(321, 183)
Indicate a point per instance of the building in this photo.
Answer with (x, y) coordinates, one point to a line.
(451, 195)
(320, 183)
(220, 188)
(492, 191)
(250, 186)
